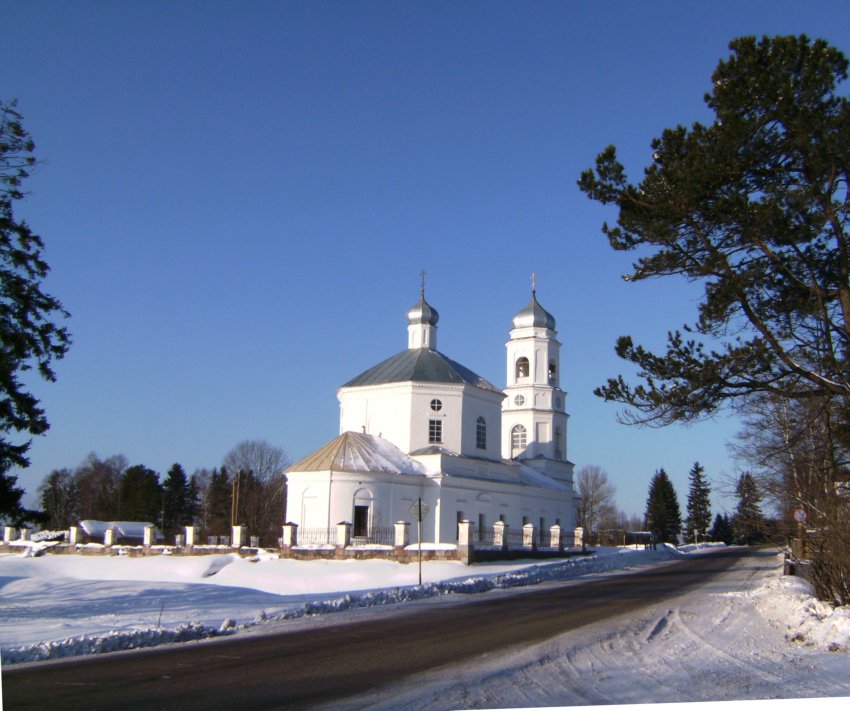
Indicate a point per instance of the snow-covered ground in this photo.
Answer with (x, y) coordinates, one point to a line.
(754, 634)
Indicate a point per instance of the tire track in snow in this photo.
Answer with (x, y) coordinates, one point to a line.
(707, 645)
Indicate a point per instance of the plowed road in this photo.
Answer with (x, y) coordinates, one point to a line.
(300, 668)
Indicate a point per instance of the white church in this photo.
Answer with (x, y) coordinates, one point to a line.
(422, 426)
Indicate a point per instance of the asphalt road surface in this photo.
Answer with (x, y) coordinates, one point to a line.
(306, 667)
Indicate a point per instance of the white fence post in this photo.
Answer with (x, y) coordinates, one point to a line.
(402, 534)
(529, 536)
(240, 533)
(149, 536)
(343, 534)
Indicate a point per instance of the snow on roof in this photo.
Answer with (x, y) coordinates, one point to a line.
(532, 477)
(125, 529)
(358, 452)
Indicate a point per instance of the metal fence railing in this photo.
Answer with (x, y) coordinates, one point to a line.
(483, 535)
(316, 536)
(382, 536)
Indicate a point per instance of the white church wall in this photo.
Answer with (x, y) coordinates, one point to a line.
(324, 499)
(478, 403)
(383, 411)
(308, 500)
(448, 399)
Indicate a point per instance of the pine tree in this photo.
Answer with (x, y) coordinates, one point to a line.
(748, 520)
(753, 205)
(699, 501)
(31, 340)
(663, 516)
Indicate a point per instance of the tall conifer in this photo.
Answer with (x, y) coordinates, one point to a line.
(699, 502)
(663, 516)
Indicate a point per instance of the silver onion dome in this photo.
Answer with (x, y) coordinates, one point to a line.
(422, 312)
(534, 316)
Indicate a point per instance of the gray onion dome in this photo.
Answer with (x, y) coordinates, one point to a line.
(534, 316)
(422, 312)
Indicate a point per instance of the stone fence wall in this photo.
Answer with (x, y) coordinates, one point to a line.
(474, 544)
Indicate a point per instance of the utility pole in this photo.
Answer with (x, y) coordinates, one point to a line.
(234, 501)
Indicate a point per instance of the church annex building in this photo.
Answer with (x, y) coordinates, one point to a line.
(421, 426)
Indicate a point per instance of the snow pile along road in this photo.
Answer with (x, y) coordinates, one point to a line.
(788, 604)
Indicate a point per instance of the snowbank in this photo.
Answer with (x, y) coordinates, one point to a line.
(789, 603)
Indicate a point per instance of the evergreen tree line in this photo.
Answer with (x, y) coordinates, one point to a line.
(248, 489)
(597, 513)
(747, 525)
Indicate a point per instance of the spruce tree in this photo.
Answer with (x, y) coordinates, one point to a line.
(663, 516)
(219, 496)
(699, 501)
(12, 511)
(721, 530)
(177, 504)
(748, 520)
(139, 495)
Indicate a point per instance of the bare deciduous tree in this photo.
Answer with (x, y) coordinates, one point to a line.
(256, 468)
(597, 497)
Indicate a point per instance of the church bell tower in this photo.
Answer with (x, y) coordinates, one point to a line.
(534, 417)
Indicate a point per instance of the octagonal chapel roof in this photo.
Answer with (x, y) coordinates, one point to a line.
(420, 365)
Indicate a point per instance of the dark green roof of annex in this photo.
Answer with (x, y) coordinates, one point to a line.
(420, 365)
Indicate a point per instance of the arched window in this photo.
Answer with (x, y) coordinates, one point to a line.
(518, 440)
(558, 450)
(522, 367)
(481, 433)
(553, 369)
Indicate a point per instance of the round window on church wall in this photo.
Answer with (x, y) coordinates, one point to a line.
(436, 405)
(519, 400)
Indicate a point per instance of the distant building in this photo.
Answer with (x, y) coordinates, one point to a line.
(420, 425)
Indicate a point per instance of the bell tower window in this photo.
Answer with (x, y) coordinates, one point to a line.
(553, 370)
(435, 431)
(522, 367)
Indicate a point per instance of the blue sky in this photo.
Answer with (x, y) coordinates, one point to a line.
(237, 200)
